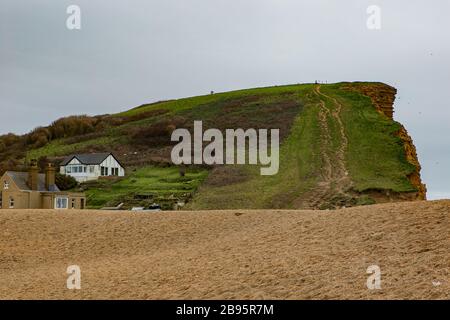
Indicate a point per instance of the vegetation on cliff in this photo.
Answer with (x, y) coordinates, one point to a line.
(339, 147)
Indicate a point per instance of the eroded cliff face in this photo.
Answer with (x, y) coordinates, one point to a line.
(383, 97)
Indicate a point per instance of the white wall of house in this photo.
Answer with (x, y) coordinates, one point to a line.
(83, 173)
(111, 163)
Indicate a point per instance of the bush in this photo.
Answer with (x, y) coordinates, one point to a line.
(12, 147)
(156, 134)
(38, 137)
(64, 182)
(10, 139)
(71, 126)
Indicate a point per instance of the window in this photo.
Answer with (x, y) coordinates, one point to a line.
(76, 169)
(91, 169)
(6, 185)
(115, 171)
(104, 171)
(61, 203)
(11, 202)
(73, 204)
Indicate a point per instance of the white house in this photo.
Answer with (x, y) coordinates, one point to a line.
(85, 167)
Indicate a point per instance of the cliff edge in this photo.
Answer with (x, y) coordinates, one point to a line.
(383, 98)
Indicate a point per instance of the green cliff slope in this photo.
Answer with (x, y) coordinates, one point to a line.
(339, 147)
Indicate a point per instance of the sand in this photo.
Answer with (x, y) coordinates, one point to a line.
(236, 254)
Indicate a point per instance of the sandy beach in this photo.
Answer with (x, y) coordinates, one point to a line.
(235, 254)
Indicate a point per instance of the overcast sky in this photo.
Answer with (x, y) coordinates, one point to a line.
(131, 52)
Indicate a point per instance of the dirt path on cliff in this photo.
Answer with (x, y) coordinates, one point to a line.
(340, 172)
(334, 179)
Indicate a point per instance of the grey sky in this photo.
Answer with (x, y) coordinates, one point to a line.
(137, 51)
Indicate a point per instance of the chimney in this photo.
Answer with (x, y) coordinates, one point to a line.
(49, 176)
(33, 175)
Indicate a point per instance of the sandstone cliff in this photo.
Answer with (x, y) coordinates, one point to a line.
(383, 97)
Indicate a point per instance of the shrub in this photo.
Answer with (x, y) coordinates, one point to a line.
(71, 126)
(10, 139)
(64, 182)
(156, 134)
(38, 137)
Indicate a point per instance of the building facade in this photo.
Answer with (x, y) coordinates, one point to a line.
(32, 190)
(86, 167)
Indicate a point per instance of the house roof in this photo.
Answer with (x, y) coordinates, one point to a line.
(21, 178)
(88, 158)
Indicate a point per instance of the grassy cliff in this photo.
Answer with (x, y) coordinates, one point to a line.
(339, 147)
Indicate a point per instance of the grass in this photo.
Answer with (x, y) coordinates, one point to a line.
(191, 102)
(60, 148)
(299, 167)
(209, 108)
(375, 157)
(156, 183)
